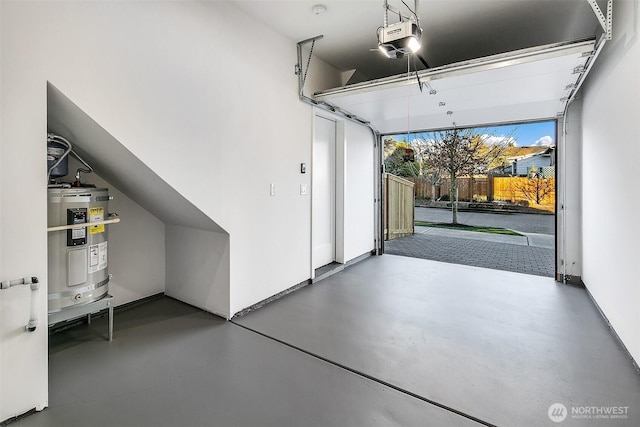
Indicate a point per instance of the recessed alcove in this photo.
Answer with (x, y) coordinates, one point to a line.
(164, 243)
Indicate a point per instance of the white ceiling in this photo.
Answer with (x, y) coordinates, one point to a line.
(454, 32)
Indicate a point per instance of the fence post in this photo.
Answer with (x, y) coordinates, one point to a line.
(490, 188)
(386, 206)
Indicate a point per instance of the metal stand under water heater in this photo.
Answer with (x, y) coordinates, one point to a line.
(77, 241)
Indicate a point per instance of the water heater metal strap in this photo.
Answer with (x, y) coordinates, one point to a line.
(77, 290)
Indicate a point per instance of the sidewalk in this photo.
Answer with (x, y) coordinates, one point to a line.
(530, 254)
(527, 239)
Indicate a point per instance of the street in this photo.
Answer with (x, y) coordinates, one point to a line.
(527, 223)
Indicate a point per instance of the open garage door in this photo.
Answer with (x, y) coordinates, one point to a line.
(524, 85)
(527, 85)
(498, 210)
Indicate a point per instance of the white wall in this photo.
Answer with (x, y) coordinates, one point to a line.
(136, 251)
(24, 247)
(359, 191)
(610, 128)
(218, 124)
(152, 75)
(196, 267)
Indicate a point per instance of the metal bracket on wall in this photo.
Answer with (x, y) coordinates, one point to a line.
(299, 70)
(606, 22)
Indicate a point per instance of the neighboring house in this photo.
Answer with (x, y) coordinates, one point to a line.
(521, 160)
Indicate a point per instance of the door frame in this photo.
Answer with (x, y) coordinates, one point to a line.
(339, 186)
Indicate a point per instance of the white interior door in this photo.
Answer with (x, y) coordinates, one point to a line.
(324, 192)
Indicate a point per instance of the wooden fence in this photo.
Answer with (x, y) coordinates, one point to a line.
(511, 189)
(517, 188)
(398, 212)
(468, 189)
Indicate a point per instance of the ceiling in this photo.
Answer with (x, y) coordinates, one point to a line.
(453, 30)
(490, 61)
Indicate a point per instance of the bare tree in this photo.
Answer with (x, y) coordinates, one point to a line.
(433, 175)
(460, 152)
(430, 172)
(535, 187)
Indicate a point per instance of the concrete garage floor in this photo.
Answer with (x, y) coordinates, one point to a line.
(171, 364)
(388, 341)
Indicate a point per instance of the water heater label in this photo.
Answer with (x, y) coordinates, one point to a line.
(96, 215)
(97, 257)
(78, 233)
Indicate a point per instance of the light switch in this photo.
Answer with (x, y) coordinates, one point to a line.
(273, 189)
(303, 189)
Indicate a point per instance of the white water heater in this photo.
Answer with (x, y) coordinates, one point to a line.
(78, 256)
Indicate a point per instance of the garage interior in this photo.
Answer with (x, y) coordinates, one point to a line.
(385, 341)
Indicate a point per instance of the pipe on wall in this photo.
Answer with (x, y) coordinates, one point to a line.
(34, 285)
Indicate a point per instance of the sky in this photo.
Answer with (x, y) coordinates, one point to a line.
(527, 134)
(523, 134)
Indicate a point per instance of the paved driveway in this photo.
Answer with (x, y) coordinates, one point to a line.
(532, 253)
